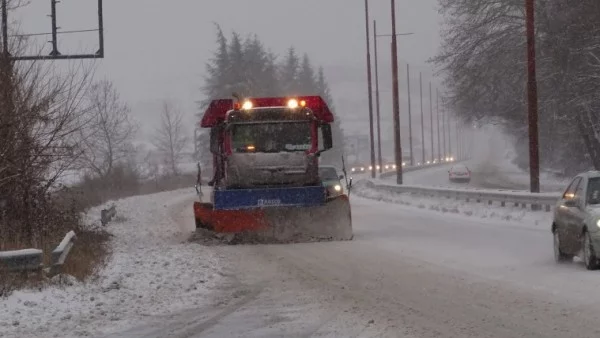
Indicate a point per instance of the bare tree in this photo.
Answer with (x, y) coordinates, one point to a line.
(483, 59)
(41, 109)
(109, 132)
(170, 137)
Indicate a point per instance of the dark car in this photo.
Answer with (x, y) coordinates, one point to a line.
(459, 173)
(332, 180)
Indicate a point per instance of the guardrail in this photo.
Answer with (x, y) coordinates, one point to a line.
(106, 215)
(517, 198)
(414, 168)
(21, 260)
(59, 255)
(31, 260)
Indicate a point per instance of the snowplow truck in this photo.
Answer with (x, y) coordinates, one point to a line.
(266, 184)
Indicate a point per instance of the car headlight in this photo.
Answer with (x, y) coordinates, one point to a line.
(337, 187)
(598, 223)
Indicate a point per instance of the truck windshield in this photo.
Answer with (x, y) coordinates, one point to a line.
(272, 137)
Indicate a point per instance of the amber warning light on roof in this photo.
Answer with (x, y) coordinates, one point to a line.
(291, 103)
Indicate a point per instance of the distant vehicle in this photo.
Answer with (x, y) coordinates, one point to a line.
(332, 181)
(359, 168)
(459, 173)
(389, 166)
(576, 222)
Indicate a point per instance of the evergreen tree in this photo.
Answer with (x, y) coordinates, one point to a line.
(323, 88)
(306, 77)
(333, 156)
(260, 71)
(288, 75)
(236, 72)
(270, 80)
(215, 84)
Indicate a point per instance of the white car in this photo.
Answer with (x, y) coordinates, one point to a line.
(459, 173)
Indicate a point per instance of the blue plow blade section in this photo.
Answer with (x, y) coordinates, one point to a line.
(269, 197)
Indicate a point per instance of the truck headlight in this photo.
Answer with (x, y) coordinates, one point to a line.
(337, 187)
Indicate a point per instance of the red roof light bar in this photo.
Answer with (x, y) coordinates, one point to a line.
(217, 110)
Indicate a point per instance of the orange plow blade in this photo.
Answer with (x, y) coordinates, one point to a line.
(329, 222)
(228, 221)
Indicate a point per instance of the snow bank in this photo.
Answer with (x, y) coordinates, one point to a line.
(511, 214)
(152, 271)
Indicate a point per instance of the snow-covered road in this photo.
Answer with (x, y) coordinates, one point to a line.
(486, 174)
(408, 273)
(411, 271)
(491, 163)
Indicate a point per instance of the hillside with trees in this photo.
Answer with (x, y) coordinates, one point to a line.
(244, 66)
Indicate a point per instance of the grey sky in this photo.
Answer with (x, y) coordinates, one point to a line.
(157, 49)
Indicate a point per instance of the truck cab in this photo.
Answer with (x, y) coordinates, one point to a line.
(268, 142)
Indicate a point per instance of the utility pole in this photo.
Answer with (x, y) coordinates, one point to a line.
(410, 140)
(423, 160)
(5, 29)
(437, 114)
(379, 160)
(396, 99)
(534, 159)
(449, 135)
(370, 92)
(444, 126)
(431, 122)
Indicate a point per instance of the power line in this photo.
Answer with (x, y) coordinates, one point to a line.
(63, 32)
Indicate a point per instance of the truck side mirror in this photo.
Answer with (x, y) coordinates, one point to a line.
(214, 140)
(327, 137)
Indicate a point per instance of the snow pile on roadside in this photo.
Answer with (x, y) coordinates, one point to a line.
(151, 271)
(524, 217)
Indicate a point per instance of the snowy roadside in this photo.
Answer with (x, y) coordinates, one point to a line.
(509, 214)
(151, 271)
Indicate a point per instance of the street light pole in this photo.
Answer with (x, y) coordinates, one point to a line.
(431, 121)
(396, 99)
(437, 116)
(423, 160)
(377, 98)
(449, 124)
(534, 160)
(370, 92)
(410, 141)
